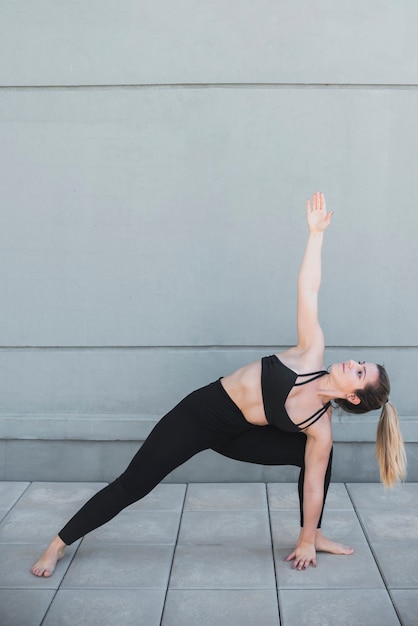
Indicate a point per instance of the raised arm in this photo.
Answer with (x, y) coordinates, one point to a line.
(311, 340)
(310, 334)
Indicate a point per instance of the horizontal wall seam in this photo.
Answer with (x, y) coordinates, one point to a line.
(136, 428)
(360, 86)
(350, 419)
(208, 347)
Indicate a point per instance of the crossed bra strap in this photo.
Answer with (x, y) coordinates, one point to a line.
(314, 375)
(315, 417)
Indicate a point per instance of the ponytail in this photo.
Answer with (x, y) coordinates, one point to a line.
(390, 451)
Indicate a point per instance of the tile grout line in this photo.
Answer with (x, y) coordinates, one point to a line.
(62, 580)
(9, 511)
(174, 554)
(54, 590)
(59, 586)
(19, 498)
(369, 543)
(272, 554)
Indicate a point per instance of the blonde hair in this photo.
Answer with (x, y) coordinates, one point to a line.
(390, 450)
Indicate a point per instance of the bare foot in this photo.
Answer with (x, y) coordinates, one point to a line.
(46, 564)
(322, 544)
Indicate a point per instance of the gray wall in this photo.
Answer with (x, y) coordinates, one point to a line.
(155, 161)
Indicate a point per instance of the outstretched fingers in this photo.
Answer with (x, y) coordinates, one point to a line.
(316, 212)
(318, 202)
(301, 561)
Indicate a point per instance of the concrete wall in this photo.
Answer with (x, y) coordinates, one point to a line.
(155, 160)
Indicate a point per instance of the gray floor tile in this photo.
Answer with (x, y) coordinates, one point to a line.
(221, 572)
(226, 497)
(406, 603)
(343, 527)
(58, 495)
(375, 496)
(285, 527)
(221, 607)
(398, 563)
(16, 561)
(355, 571)
(136, 526)
(120, 566)
(285, 496)
(397, 525)
(222, 567)
(24, 607)
(163, 498)
(340, 526)
(32, 525)
(10, 492)
(93, 607)
(348, 607)
(225, 527)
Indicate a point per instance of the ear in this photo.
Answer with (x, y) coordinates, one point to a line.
(353, 398)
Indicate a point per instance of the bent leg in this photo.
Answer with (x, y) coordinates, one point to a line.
(266, 445)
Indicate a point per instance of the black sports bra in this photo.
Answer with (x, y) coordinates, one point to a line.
(277, 380)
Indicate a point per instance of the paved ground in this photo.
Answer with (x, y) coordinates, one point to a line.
(210, 555)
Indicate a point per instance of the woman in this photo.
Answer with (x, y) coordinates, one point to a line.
(266, 412)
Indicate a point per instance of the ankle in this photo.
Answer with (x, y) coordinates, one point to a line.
(58, 543)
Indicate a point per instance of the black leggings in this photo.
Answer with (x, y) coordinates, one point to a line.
(207, 418)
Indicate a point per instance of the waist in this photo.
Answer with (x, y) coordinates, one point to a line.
(246, 395)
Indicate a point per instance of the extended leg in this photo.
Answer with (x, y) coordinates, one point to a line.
(195, 424)
(176, 438)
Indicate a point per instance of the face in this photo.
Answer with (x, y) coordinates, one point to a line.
(352, 375)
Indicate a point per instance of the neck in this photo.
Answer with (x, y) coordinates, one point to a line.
(326, 390)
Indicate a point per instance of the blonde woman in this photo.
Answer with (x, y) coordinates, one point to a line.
(276, 411)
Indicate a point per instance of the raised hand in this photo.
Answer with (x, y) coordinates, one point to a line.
(316, 213)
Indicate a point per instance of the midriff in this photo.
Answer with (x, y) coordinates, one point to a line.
(244, 387)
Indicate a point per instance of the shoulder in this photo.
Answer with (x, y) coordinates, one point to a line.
(321, 431)
(303, 359)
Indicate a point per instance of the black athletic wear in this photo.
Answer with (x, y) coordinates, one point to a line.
(207, 418)
(276, 382)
